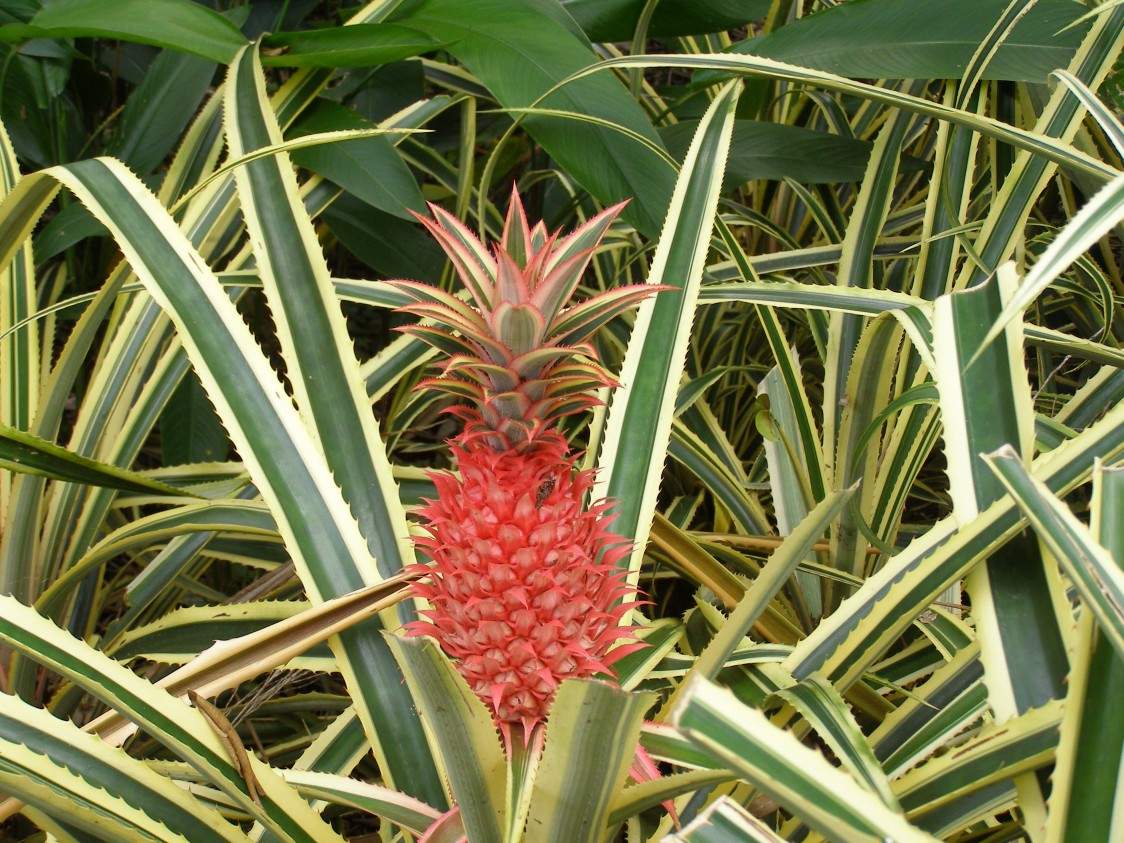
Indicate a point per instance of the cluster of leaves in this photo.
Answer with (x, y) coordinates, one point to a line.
(865, 446)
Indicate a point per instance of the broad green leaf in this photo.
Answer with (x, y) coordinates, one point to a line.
(520, 48)
(358, 45)
(160, 108)
(190, 432)
(1045, 146)
(176, 24)
(912, 39)
(641, 412)
(369, 168)
(998, 36)
(777, 151)
(615, 20)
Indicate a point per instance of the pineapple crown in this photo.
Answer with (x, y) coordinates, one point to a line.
(518, 349)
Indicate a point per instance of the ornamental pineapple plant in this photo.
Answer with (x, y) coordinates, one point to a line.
(523, 586)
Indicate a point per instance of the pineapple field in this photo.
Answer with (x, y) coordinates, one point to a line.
(561, 421)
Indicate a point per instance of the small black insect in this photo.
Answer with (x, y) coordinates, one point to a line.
(544, 491)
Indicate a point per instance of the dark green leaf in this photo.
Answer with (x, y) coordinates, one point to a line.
(160, 108)
(189, 429)
(615, 20)
(918, 39)
(176, 24)
(519, 49)
(776, 151)
(369, 168)
(385, 243)
(361, 45)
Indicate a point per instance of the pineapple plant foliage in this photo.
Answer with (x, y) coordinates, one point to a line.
(783, 500)
(524, 587)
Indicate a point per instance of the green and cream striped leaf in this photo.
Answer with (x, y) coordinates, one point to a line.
(950, 701)
(229, 517)
(988, 47)
(868, 216)
(725, 821)
(178, 726)
(1068, 344)
(182, 634)
(335, 752)
(866, 624)
(748, 65)
(462, 734)
(998, 752)
(1088, 780)
(774, 761)
(284, 147)
(91, 813)
(329, 394)
(1098, 110)
(641, 412)
(19, 340)
(26, 453)
(984, 405)
(722, 480)
(38, 733)
(795, 482)
(1004, 225)
(591, 738)
(1097, 217)
(869, 389)
(772, 577)
(398, 808)
(228, 663)
(914, 315)
(827, 713)
(285, 462)
(1089, 566)
(56, 831)
(640, 796)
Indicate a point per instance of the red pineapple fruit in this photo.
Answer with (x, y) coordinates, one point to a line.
(523, 587)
